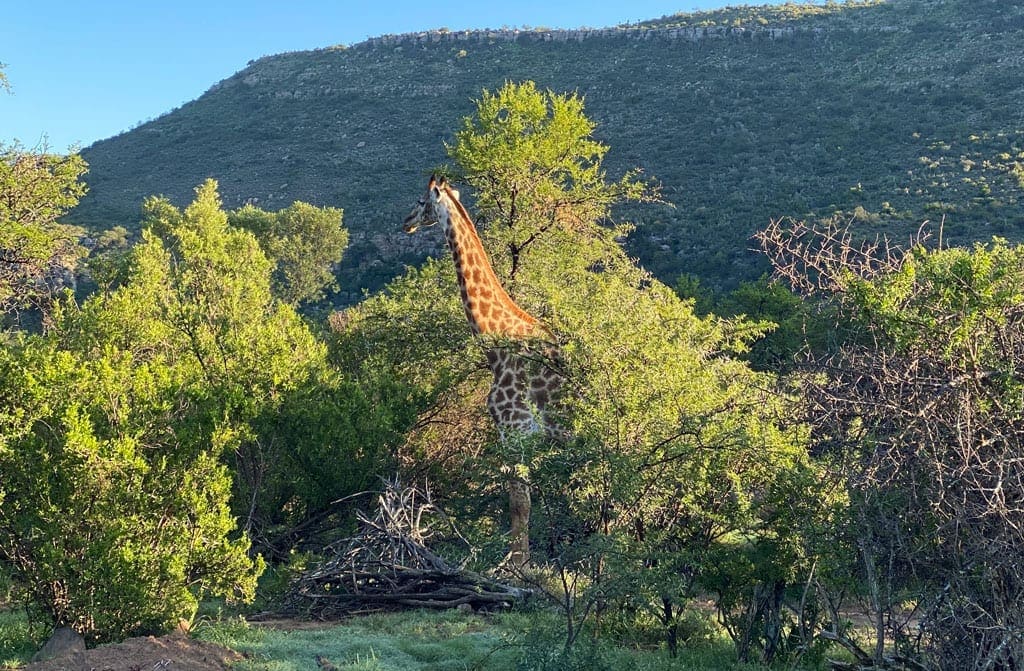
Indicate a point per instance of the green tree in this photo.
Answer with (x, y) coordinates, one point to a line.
(681, 459)
(678, 454)
(113, 503)
(535, 167)
(917, 412)
(309, 436)
(37, 254)
(413, 339)
(118, 425)
(198, 288)
(305, 243)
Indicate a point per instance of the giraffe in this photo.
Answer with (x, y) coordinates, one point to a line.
(524, 383)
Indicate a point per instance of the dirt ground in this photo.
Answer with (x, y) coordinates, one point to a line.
(167, 653)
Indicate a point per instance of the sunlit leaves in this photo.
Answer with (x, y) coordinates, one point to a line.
(35, 250)
(304, 242)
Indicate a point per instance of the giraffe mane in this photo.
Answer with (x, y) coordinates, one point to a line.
(453, 195)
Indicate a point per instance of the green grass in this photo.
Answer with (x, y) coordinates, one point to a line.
(18, 641)
(450, 641)
(404, 641)
(412, 641)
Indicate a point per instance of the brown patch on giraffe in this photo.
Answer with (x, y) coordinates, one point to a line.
(507, 378)
(522, 416)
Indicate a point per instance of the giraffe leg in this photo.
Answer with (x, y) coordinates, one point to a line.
(513, 414)
(519, 505)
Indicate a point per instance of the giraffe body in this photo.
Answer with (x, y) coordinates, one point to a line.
(518, 346)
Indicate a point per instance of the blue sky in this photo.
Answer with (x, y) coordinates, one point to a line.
(81, 71)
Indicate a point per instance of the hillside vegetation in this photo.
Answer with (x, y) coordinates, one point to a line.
(887, 112)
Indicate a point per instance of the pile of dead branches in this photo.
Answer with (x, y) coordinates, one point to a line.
(388, 566)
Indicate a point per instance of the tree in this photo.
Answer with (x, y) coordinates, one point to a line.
(311, 436)
(37, 254)
(412, 338)
(534, 166)
(917, 413)
(305, 243)
(118, 425)
(683, 461)
(677, 453)
(113, 498)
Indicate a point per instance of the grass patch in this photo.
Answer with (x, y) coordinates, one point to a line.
(18, 640)
(417, 641)
(448, 641)
(413, 641)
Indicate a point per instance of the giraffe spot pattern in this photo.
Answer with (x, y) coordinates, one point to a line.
(490, 310)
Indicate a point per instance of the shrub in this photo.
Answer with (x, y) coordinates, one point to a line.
(114, 519)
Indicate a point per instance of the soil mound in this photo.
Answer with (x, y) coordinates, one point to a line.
(146, 653)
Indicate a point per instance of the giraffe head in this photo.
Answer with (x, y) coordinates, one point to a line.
(432, 207)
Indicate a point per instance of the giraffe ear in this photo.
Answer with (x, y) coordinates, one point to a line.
(455, 193)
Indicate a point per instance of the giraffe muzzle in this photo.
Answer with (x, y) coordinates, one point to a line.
(413, 222)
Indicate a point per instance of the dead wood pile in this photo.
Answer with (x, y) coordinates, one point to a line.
(388, 566)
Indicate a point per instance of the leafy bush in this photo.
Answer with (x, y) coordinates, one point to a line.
(116, 425)
(114, 519)
(35, 250)
(305, 243)
(544, 650)
(918, 414)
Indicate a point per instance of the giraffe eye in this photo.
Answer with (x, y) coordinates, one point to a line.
(421, 202)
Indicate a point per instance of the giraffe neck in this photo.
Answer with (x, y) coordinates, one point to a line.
(489, 308)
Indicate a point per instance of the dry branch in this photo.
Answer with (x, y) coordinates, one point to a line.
(815, 258)
(388, 566)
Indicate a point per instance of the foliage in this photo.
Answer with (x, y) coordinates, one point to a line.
(311, 455)
(535, 166)
(919, 417)
(114, 519)
(412, 342)
(680, 459)
(546, 654)
(197, 288)
(202, 291)
(18, 641)
(305, 242)
(36, 252)
(798, 324)
(135, 400)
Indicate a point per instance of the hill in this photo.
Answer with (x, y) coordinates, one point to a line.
(889, 112)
